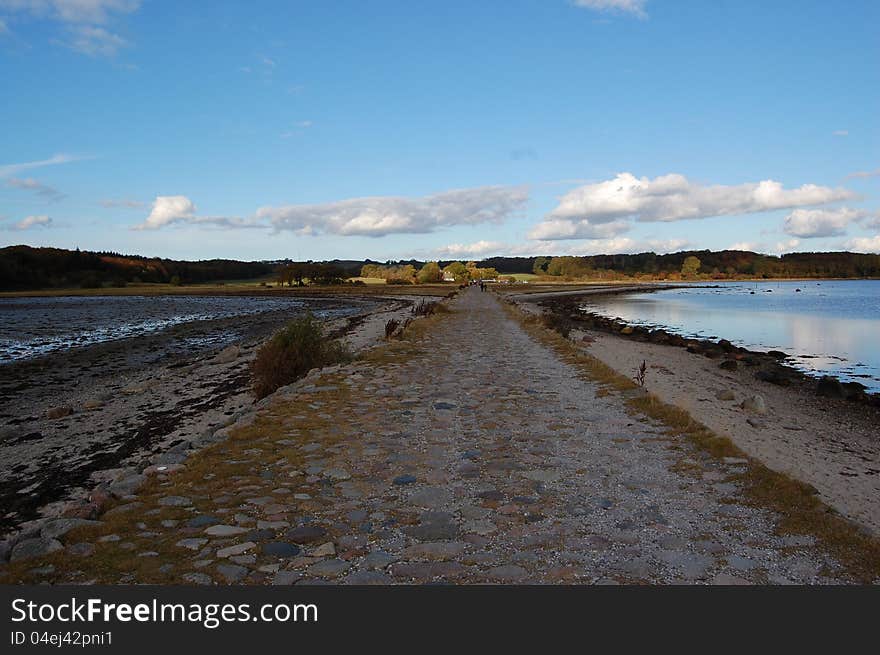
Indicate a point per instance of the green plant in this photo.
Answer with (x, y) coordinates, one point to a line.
(292, 352)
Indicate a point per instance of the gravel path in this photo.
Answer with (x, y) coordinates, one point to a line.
(479, 455)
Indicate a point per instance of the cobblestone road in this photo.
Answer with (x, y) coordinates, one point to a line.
(478, 455)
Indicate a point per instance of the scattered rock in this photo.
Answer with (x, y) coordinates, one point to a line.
(198, 578)
(280, 549)
(324, 550)
(191, 544)
(236, 549)
(36, 547)
(728, 365)
(225, 530)
(725, 394)
(401, 480)
(754, 404)
(305, 534)
(830, 387)
(232, 572)
(59, 412)
(55, 528)
(228, 355)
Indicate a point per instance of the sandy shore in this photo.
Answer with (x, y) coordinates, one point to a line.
(831, 444)
(139, 402)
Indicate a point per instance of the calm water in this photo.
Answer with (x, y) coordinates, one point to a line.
(36, 326)
(829, 327)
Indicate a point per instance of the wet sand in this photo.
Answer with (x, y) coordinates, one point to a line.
(135, 401)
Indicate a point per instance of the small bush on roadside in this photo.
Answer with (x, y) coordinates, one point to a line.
(554, 322)
(391, 327)
(291, 353)
(424, 308)
(397, 280)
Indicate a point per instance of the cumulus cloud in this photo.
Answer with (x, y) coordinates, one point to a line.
(168, 210)
(173, 210)
(747, 246)
(633, 7)
(583, 211)
(379, 216)
(812, 223)
(7, 170)
(864, 244)
(477, 249)
(29, 222)
(30, 184)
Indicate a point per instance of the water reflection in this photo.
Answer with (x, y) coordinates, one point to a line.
(827, 327)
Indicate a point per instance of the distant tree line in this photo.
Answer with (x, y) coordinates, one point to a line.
(23, 268)
(725, 264)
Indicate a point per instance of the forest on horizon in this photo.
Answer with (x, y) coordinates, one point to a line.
(27, 268)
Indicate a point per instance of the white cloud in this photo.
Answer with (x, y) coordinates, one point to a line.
(864, 244)
(748, 246)
(812, 223)
(30, 184)
(634, 7)
(73, 11)
(8, 170)
(476, 249)
(168, 210)
(583, 211)
(95, 41)
(83, 20)
(29, 222)
(172, 210)
(864, 174)
(379, 216)
(786, 246)
(613, 246)
(840, 133)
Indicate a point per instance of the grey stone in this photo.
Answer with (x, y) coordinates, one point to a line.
(305, 534)
(36, 547)
(225, 530)
(198, 578)
(280, 549)
(55, 528)
(329, 568)
(232, 572)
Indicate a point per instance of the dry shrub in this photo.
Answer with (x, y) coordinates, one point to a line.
(292, 352)
(424, 308)
(391, 327)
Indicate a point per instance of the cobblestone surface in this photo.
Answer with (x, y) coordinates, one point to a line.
(478, 456)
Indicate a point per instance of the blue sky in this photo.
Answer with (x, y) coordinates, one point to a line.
(387, 130)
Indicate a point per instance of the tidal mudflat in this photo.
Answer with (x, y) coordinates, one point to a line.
(101, 385)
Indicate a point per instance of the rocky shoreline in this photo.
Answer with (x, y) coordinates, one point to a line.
(770, 367)
(86, 427)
